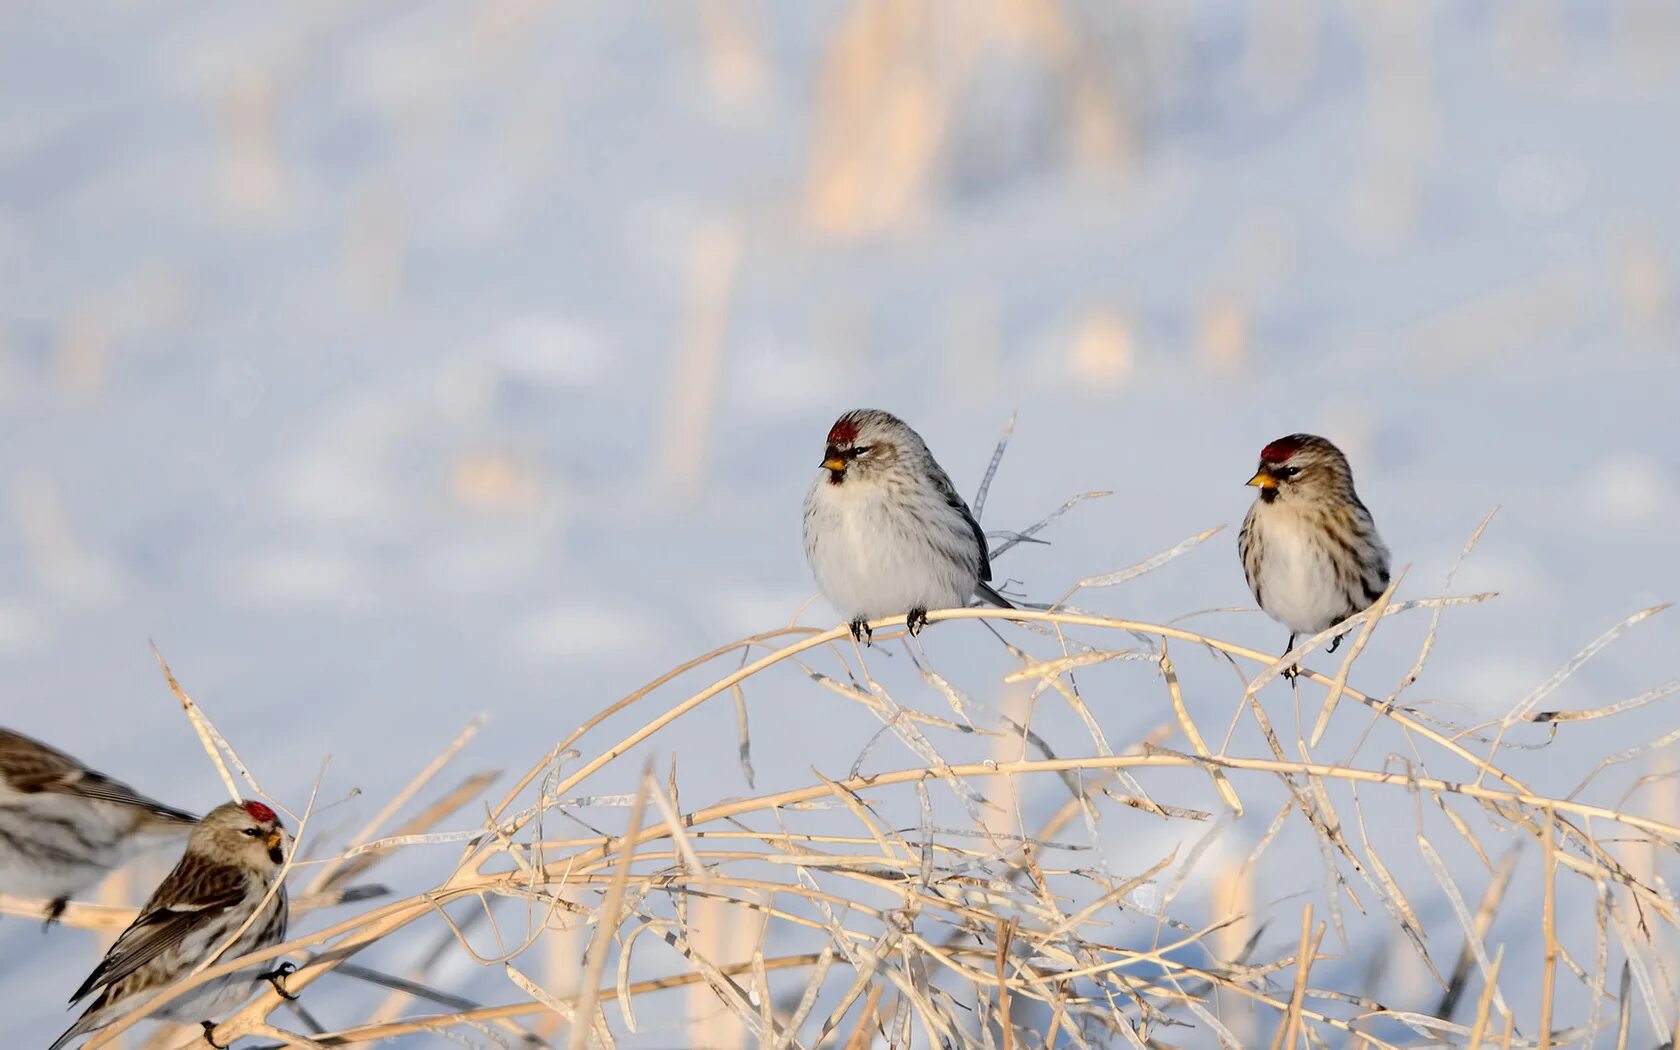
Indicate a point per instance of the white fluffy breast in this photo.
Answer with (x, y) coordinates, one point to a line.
(1296, 579)
(878, 551)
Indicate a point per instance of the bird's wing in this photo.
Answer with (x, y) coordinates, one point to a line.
(1250, 549)
(979, 538)
(1374, 575)
(31, 767)
(190, 895)
(949, 492)
(97, 785)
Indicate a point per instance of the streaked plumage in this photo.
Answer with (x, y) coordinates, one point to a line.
(231, 860)
(63, 826)
(1309, 547)
(885, 531)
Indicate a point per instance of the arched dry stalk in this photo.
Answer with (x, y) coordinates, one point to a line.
(1124, 914)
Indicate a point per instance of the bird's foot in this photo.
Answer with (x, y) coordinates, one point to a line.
(1334, 644)
(210, 1035)
(276, 975)
(1291, 672)
(861, 631)
(916, 621)
(55, 911)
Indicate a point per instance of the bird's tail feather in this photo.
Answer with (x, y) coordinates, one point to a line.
(74, 1031)
(985, 591)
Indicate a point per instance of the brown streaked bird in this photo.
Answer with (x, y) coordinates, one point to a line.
(1309, 547)
(64, 826)
(233, 857)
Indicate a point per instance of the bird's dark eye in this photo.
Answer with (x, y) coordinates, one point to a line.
(253, 832)
(1289, 472)
(858, 450)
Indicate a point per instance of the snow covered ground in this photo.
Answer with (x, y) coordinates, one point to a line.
(386, 365)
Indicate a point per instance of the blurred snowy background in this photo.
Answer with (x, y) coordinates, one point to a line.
(391, 363)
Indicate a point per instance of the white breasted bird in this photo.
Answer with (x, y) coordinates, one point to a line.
(885, 532)
(1309, 548)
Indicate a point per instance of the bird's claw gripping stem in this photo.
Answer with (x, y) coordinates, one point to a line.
(276, 975)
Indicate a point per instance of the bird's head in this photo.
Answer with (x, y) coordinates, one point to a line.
(1300, 464)
(866, 442)
(245, 834)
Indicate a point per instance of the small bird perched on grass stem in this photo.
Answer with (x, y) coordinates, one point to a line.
(231, 861)
(886, 532)
(1309, 548)
(63, 826)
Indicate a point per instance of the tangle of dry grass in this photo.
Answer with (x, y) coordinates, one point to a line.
(919, 904)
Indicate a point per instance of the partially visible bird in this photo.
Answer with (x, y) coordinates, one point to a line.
(1309, 547)
(232, 859)
(885, 531)
(63, 826)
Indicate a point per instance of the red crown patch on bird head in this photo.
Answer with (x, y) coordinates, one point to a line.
(259, 811)
(844, 432)
(1281, 449)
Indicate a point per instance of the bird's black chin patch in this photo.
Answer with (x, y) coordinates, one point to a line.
(276, 856)
(835, 477)
(1269, 495)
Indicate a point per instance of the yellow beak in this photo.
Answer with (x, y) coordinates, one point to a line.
(274, 839)
(834, 463)
(1263, 479)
